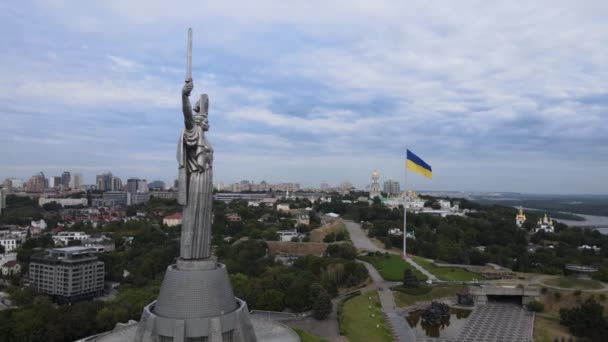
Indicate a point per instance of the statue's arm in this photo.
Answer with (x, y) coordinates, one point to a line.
(186, 106)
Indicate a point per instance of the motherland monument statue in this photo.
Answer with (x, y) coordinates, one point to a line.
(196, 302)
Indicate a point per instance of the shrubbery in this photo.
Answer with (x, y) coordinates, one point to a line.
(535, 306)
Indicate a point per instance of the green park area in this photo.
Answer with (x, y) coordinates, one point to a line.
(406, 296)
(573, 283)
(361, 319)
(307, 337)
(447, 273)
(391, 267)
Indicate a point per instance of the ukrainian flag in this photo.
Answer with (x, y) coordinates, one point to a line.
(417, 165)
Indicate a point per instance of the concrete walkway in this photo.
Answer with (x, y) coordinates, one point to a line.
(402, 332)
(422, 270)
(359, 239)
(363, 243)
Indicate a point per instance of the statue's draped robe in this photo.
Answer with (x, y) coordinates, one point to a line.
(195, 158)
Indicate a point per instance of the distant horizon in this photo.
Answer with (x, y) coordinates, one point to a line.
(90, 181)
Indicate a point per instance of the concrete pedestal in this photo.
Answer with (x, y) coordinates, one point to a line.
(196, 304)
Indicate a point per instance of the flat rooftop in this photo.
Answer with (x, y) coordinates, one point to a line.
(73, 249)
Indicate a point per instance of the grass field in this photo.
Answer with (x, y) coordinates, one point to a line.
(447, 273)
(307, 337)
(391, 267)
(573, 283)
(361, 319)
(403, 299)
(547, 328)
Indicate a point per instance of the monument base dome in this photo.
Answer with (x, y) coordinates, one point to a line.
(196, 304)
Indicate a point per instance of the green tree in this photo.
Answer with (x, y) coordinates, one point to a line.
(271, 300)
(322, 306)
(409, 279)
(586, 320)
(297, 296)
(535, 306)
(331, 237)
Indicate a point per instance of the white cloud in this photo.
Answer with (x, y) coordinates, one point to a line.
(342, 79)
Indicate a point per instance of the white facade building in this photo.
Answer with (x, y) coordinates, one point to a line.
(545, 224)
(287, 235)
(283, 207)
(9, 243)
(65, 237)
(64, 201)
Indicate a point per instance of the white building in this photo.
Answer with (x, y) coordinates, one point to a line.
(520, 218)
(10, 267)
(374, 187)
(65, 237)
(173, 220)
(283, 207)
(64, 201)
(545, 224)
(39, 224)
(287, 235)
(399, 232)
(76, 181)
(395, 231)
(445, 204)
(9, 243)
(589, 248)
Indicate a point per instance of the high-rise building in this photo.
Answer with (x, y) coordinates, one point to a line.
(156, 185)
(104, 181)
(116, 184)
(137, 185)
(36, 183)
(54, 182)
(107, 182)
(391, 187)
(2, 199)
(68, 274)
(66, 177)
(76, 181)
(7, 185)
(374, 188)
(12, 184)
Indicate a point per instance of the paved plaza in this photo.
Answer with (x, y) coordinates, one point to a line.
(494, 322)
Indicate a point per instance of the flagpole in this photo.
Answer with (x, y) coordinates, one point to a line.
(405, 209)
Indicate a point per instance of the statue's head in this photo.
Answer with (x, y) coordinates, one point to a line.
(203, 102)
(202, 109)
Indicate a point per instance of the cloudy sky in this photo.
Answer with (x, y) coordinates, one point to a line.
(496, 96)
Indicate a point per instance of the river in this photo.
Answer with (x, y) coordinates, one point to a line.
(600, 223)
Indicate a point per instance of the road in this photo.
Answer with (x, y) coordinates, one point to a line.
(538, 280)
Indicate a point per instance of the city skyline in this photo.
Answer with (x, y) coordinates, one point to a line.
(492, 103)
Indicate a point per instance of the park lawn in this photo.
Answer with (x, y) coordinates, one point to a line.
(573, 283)
(308, 337)
(404, 299)
(447, 273)
(391, 267)
(357, 323)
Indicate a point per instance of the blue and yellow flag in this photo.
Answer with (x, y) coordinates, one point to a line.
(415, 164)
